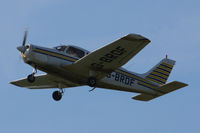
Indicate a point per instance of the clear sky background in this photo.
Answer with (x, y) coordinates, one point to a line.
(173, 26)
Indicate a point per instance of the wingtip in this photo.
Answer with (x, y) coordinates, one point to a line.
(183, 84)
(133, 36)
(11, 82)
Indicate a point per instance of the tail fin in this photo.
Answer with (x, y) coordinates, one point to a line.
(160, 73)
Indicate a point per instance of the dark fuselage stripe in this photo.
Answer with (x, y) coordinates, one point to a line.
(53, 56)
(57, 53)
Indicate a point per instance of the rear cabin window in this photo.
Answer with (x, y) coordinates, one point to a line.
(75, 52)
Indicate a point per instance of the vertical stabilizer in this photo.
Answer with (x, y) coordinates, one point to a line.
(160, 73)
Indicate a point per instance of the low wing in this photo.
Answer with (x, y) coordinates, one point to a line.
(167, 88)
(43, 82)
(110, 57)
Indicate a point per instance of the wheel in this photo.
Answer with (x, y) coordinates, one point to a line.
(57, 95)
(31, 78)
(92, 82)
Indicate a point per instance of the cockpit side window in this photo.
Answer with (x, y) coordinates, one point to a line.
(75, 52)
(60, 48)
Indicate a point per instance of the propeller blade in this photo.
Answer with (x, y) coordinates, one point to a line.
(25, 36)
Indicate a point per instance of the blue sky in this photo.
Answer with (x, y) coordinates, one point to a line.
(173, 28)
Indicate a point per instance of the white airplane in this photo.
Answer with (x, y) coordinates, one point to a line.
(71, 66)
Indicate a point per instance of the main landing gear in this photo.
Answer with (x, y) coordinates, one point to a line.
(92, 81)
(31, 77)
(57, 95)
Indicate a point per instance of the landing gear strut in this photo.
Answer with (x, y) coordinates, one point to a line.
(92, 81)
(31, 77)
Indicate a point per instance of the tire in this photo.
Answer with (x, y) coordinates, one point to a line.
(31, 78)
(92, 82)
(57, 95)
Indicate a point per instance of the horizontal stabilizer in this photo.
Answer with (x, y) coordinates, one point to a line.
(144, 97)
(172, 86)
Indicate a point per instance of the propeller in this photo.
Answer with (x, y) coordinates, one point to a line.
(25, 36)
(22, 48)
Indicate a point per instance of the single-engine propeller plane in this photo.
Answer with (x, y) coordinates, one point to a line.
(71, 66)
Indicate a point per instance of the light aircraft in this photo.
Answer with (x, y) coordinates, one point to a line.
(71, 66)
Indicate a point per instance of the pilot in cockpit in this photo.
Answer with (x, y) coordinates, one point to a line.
(72, 52)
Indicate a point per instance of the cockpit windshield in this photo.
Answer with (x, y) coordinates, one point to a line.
(75, 52)
(70, 50)
(61, 48)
